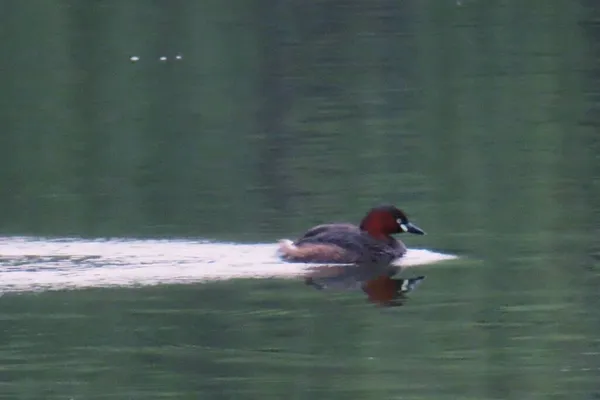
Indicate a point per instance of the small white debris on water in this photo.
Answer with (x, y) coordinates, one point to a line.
(161, 58)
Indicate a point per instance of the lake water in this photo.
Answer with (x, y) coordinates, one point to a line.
(186, 318)
(141, 200)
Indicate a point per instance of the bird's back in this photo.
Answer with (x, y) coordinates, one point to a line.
(358, 246)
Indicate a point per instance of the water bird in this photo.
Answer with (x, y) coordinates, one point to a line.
(369, 243)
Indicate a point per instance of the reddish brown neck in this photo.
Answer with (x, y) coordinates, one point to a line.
(378, 234)
(375, 226)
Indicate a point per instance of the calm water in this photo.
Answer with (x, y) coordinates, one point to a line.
(140, 202)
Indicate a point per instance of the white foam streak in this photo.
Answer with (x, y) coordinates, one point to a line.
(50, 264)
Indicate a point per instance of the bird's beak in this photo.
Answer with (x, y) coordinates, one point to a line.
(412, 228)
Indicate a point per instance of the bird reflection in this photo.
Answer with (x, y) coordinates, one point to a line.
(376, 281)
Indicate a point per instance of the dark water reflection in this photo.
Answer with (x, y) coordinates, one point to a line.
(480, 119)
